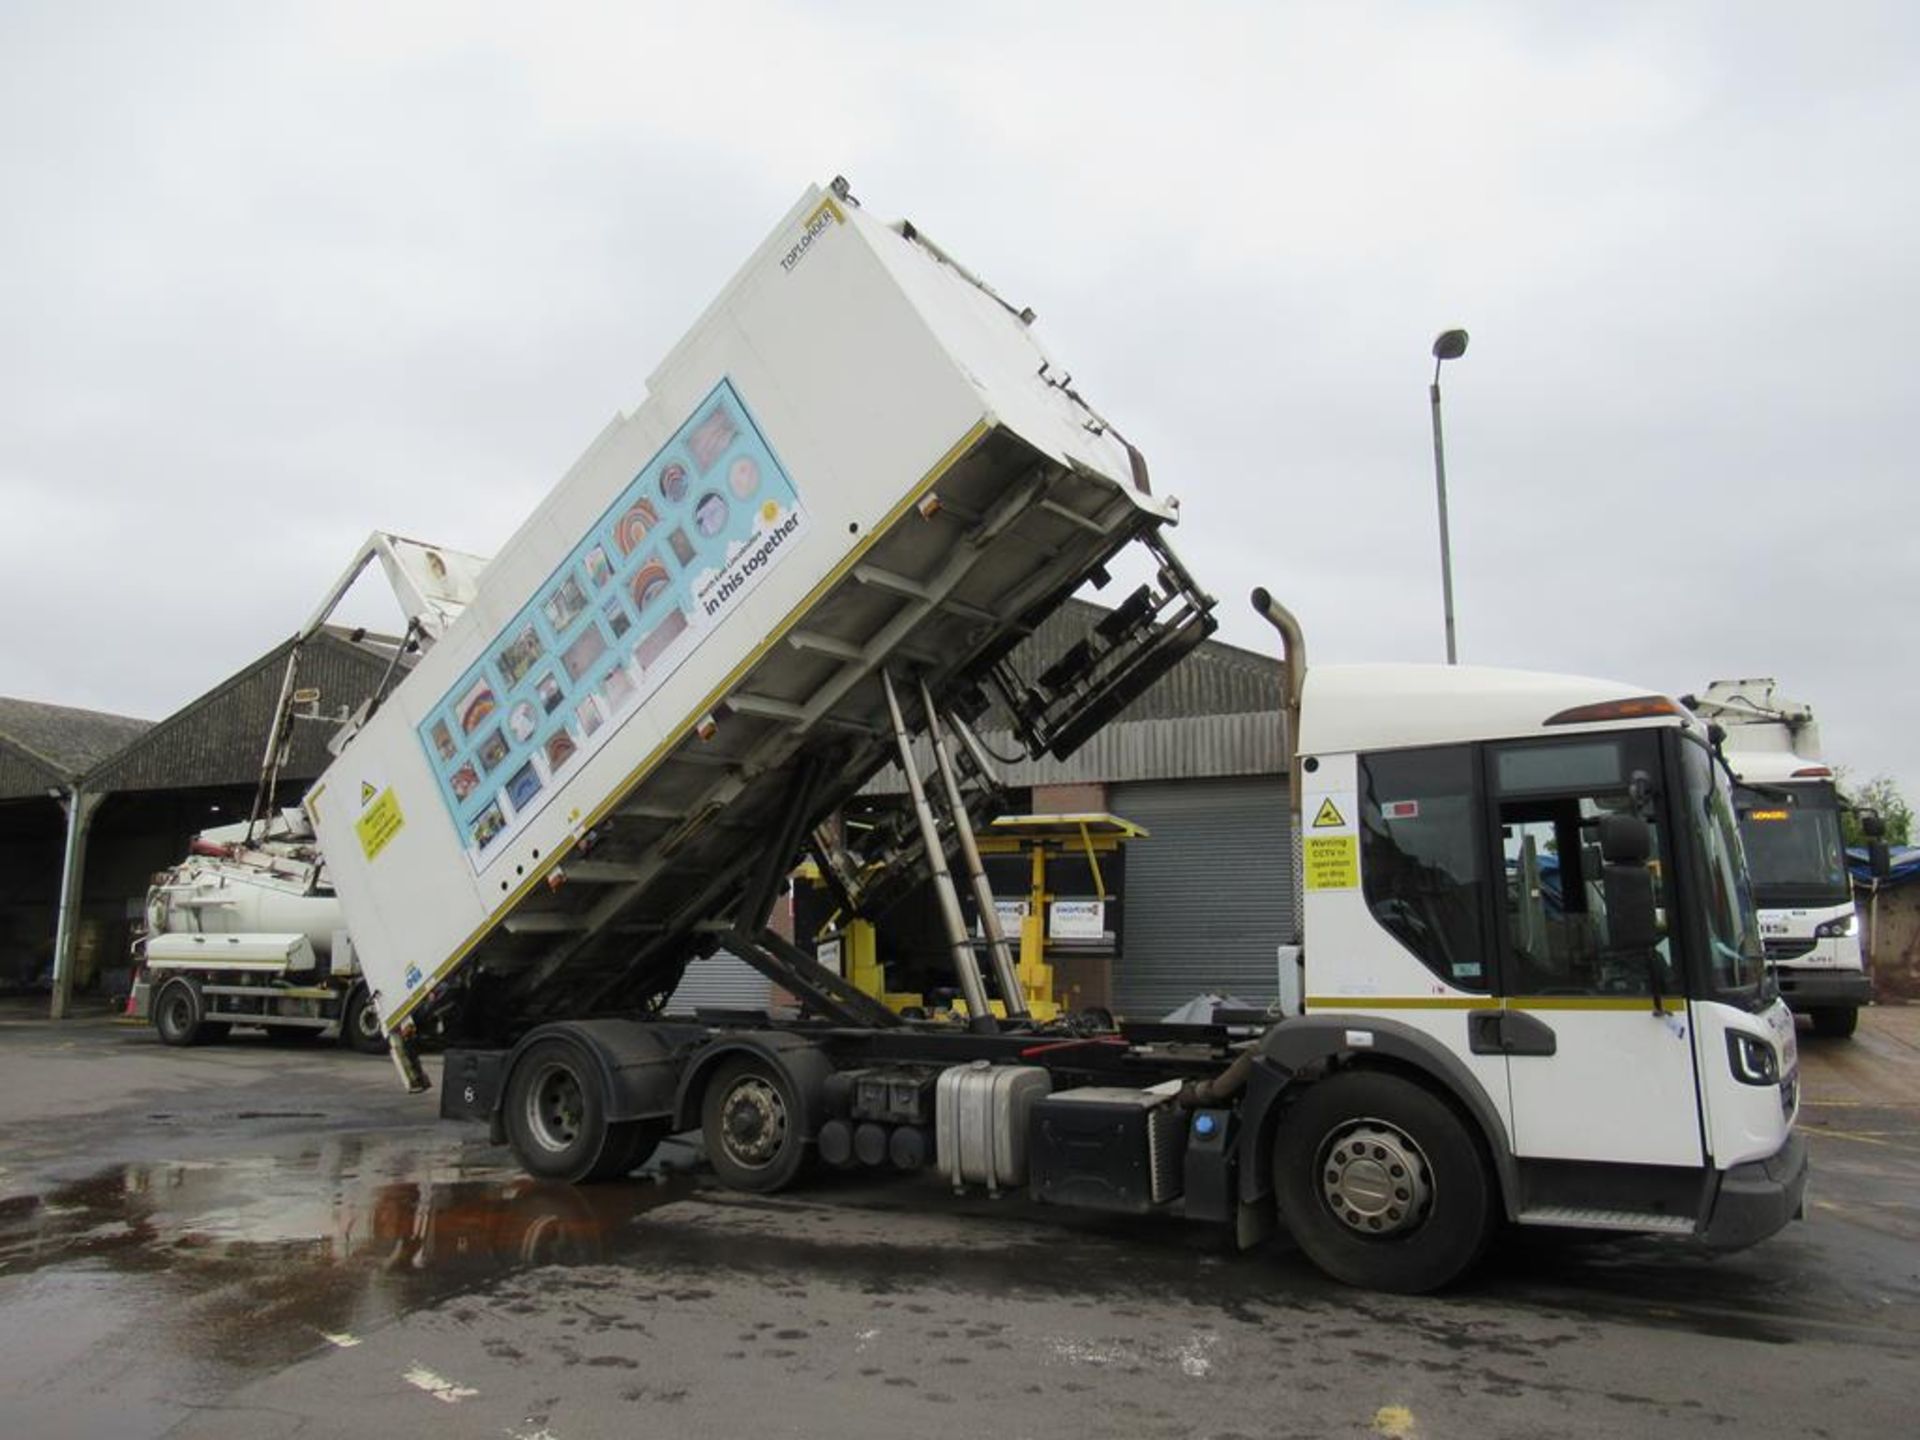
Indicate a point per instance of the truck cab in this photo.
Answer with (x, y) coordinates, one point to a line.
(1530, 889)
(1807, 917)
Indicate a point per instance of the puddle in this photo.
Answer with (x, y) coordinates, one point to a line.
(210, 1272)
(350, 1209)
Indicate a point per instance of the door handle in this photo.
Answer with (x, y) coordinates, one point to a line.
(1509, 1032)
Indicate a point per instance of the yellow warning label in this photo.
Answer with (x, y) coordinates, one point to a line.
(1331, 862)
(1328, 817)
(380, 824)
(367, 792)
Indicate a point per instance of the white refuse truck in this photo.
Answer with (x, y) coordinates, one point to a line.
(1534, 976)
(1789, 815)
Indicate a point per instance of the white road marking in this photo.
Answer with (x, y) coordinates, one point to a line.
(343, 1340)
(438, 1386)
(1088, 1352)
(1194, 1359)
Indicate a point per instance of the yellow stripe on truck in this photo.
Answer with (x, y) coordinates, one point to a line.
(1491, 1002)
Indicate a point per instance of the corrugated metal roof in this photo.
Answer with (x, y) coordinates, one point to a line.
(52, 745)
(218, 738)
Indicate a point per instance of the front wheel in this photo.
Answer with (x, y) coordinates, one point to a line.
(180, 1014)
(1836, 1022)
(360, 1023)
(1383, 1184)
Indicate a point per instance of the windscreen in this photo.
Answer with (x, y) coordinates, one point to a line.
(1794, 850)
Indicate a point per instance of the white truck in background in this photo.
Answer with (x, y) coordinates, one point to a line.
(247, 929)
(1535, 988)
(1789, 813)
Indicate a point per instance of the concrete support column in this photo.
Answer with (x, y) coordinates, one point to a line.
(80, 806)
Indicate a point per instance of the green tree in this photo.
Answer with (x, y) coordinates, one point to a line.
(1878, 794)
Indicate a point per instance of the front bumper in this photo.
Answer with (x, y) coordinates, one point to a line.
(1757, 1199)
(1805, 990)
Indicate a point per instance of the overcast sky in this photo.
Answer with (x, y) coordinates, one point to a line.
(274, 276)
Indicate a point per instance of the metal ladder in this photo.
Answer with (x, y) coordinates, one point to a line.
(960, 833)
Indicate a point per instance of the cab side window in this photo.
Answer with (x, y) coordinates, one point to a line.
(1422, 859)
(1551, 797)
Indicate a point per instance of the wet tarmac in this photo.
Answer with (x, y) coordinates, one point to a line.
(280, 1244)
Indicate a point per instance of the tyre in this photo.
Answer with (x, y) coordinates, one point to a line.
(360, 1023)
(1383, 1184)
(556, 1114)
(1836, 1022)
(751, 1120)
(179, 1014)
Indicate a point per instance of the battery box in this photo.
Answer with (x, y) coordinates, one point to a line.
(1106, 1148)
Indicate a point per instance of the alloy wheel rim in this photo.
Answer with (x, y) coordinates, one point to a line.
(753, 1123)
(1375, 1179)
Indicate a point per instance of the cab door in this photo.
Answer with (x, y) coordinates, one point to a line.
(1597, 1035)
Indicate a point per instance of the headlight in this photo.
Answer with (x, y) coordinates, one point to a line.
(1847, 924)
(1754, 1060)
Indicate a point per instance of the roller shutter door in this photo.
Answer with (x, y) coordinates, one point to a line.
(1208, 893)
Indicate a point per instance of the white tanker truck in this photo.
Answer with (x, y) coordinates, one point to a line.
(247, 929)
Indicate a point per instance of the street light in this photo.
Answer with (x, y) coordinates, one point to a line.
(1447, 345)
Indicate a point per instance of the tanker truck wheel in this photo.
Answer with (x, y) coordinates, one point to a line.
(1383, 1184)
(180, 1011)
(556, 1114)
(360, 1023)
(750, 1119)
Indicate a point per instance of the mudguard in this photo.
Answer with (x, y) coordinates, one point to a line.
(798, 1058)
(639, 1062)
(1312, 1040)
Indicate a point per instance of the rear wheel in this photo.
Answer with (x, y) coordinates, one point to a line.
(556, 1116)
(1383, 1184)
(750, 1118)
(360, 1023)
(180, 1014)
(1836, 1022)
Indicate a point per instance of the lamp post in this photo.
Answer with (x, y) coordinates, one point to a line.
(1447, 345)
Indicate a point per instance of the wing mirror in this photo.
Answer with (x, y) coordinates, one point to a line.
(1879, 857)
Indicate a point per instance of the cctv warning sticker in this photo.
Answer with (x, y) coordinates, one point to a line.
(1330, 862)
(1328, 817)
